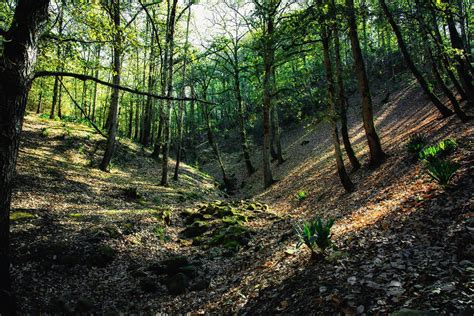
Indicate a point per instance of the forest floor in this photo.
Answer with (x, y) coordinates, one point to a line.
(87, 241)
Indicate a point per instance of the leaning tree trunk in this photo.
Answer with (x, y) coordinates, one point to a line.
(114, 100)
(16, 70)
(341, 169)
(463, 65)
(377, 156)
(445, 112)
(342, 104)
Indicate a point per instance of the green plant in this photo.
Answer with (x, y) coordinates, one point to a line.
(442, 171)
(415, 144)
(316, 232)
(45, 132)
(448, 145)
(301, 196)
(444, 147)
(159, 232)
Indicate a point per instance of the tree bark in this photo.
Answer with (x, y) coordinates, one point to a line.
(182, 103)
(342, 104)
(445, 112)
(114, 99)
(169, 93)
(377, 156)
(268, 61)
(16, 69)
(341, 169)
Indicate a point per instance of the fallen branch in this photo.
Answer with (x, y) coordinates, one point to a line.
(83, 77)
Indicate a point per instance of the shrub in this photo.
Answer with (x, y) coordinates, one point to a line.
(415, 144)
(442, 171)
(301, 196)
(315, 233)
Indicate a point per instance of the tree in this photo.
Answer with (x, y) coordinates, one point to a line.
(114, 11)
(377, 156)
(445, 112)
(16, 71)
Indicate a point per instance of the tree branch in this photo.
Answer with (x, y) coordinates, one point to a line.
(83, 77)
(82, 110)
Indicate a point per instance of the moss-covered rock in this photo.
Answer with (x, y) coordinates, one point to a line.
(197, 228)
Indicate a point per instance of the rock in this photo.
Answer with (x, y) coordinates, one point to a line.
(157, 268)
(196, 229)
(200, 285)
(177, 284)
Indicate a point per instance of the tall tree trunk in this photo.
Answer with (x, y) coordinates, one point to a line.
(377, 156)
(169, 93)
(241, 119)
(148, 113)
(58, 67)
(182, 104)
(341, 169)
(114, 99)
(445, 112)
(341, 104)
(268, 61)
(17, 64)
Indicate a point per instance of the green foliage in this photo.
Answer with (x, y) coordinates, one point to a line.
(442, 171)
(316, 232)
(301, 196)
(44, 116)
(159, 232)
(415, 144)
(45, 132)
(443, 148)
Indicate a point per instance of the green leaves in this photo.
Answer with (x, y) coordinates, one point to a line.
(442, 171)
(313, 233)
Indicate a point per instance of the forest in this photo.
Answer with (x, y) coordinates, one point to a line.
(237, 157)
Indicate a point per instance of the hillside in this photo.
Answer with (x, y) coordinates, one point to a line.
(400, 241)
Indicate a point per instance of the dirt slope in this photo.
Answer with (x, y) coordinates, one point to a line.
(400, 240)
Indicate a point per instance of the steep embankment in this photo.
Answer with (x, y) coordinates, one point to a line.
(401, 240)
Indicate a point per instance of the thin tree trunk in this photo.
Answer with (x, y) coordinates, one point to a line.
(377, 156)
(268, 61)
(445, 112)
(40, 99)
(182, 103)
(463, 65)
(341, 169)
(169, 93)
(114, 100)
(341, 104)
